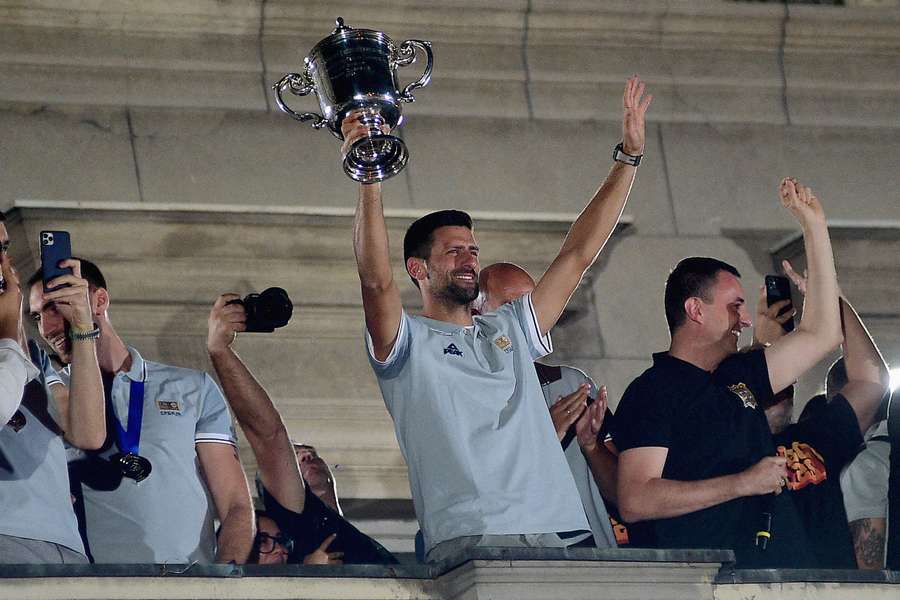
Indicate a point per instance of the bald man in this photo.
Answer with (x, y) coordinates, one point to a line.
(577, 408)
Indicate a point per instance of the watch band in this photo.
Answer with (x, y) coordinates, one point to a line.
(82, 336)
(619, 155)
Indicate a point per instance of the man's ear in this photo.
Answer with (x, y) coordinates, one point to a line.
(693, 308)
(99, 301)
(416, 268)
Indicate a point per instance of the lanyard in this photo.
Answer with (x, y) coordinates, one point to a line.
(129, 439)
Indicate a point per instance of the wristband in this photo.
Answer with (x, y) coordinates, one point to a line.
(84, 336)
(619, 155)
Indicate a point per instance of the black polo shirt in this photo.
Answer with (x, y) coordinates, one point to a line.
(712, 425)
(317, 521)
(817, 449)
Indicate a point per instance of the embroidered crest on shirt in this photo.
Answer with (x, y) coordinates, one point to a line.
(743, 392)
(805, 465)
(452, 349)
(169, 407)
(504, 343)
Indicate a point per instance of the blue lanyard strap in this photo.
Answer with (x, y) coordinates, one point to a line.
(129, 439)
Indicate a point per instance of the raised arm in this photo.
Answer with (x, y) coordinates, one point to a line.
(643, 493)
(595, 224)
(819, 331)
(15, 367)
(252, 407)
(867, 373)
(602, 463)
(380, 295)
(81, 405)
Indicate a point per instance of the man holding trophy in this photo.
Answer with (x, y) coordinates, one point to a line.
(485, 465)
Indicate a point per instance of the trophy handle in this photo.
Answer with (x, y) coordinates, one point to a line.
(406, 55)
(299, 85)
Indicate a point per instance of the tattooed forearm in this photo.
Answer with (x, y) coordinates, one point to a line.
(868, 542)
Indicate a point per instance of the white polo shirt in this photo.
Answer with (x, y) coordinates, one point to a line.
(168, 517)
(482, 453)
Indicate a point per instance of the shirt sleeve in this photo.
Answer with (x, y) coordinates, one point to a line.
(51, 375)
(643, 418)
(865, 483)
(751, 369)
(838, 430)
(526, 317)
(394, 362)
(215, 424)
(15, 371)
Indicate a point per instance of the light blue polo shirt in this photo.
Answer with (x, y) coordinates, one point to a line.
(34, 482)
(169, 516)
(590, 495)
(481, 450)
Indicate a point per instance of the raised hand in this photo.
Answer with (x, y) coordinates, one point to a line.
(321, 555)
(568, 409)
(10, 301)
(587, 428)
(73, 301)
(225, 321)
(799, 280)
(801, 201)
(634, 107)
(352, 128)
(768, 324)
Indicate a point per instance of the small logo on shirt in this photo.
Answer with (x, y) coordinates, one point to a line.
(743, 392)
(452, 349)
(504, 343)
(169, 407)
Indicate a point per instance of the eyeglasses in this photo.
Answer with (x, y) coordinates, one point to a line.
(266, 542)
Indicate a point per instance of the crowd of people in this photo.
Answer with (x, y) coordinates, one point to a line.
(117, 459)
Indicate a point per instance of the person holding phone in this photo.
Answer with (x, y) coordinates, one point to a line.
(37, 523)
(827, 438)
(697, 461)
(168, 464)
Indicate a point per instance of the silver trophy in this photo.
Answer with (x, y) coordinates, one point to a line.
(356, 70)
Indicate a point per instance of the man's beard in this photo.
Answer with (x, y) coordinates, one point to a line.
(459, 295)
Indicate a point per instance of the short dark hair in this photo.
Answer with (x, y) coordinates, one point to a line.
(692, 277)
(420, 235)
(89, 271)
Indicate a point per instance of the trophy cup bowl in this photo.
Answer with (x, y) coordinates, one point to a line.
(355, 71)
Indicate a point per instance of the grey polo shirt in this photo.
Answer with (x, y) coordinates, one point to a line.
(588, 491)
(865, 480)
(34, 481)
(167, 517)
(481, 450)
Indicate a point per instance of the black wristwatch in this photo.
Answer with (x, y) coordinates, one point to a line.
(619, 155)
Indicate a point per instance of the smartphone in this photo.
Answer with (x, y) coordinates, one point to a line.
(778, 288)
(55, 247)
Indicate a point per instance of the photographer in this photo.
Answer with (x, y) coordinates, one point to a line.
(289, 501)
(169, 447)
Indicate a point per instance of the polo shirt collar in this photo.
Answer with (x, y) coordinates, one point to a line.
(678, 368)
(137, 372)
(442, 326)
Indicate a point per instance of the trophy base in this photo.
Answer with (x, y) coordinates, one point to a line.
(376, 158)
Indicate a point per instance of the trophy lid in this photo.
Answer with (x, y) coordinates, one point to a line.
(340, 27)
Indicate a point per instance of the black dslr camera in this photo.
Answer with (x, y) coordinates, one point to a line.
(266, 311)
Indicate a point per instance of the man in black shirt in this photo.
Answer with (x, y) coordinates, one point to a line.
(826, 439)
(697, 460)
(289, 501)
